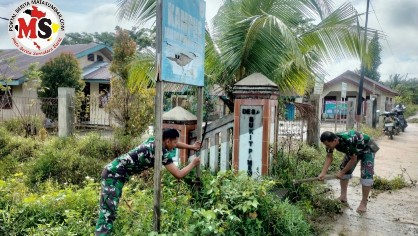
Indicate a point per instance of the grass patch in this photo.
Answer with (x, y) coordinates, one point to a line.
(373, 132)
(413, 120)
(411, 110)
(399, 182)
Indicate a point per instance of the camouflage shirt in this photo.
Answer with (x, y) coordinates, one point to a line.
(136, 160)
(352, 143)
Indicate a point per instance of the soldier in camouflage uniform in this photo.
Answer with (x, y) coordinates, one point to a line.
(117, 173)
(356, 147)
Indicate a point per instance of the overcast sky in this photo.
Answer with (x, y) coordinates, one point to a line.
(397, 19)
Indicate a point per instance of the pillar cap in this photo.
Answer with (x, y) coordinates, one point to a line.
(256, 79)
(257, 85)
(179, 115)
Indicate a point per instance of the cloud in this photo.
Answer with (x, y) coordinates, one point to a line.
(100, 19)
(337, 68)
(6, 11)
(399, 22)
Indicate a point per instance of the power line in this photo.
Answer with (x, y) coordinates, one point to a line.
(381, 28)
(385, 38)
(4, 18)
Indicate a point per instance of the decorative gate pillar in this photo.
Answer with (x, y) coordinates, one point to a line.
(255, 124)
(184, 121)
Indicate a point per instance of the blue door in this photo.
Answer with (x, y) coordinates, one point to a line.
(290, 111)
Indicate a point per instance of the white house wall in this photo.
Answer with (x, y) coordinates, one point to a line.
(337, 88)
(98, 116)
(84, 62)
(25, 103)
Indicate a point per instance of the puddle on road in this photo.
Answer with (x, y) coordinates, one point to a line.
(389, 213)
(394, 213)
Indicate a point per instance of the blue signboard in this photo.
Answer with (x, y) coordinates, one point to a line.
(183, 41)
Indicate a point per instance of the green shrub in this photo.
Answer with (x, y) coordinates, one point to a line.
(308, 153)
(123, 143)
(20, 126)
(49, 211)
(96, 147)
(23, 149)
(375, 133)
(4, 141)
(387, 185)
(63, 165)
(283, 218)
(411, 110)
(8, 166)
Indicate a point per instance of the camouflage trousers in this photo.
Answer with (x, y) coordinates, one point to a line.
(109, 201)
(367, 168)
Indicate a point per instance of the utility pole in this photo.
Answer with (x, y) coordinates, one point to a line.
(158, 125)
(360, 88)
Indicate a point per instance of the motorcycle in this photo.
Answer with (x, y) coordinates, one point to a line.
(396, 123)
(388, 125)
(402, 121)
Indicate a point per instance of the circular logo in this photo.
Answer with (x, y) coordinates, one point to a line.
(36, 27)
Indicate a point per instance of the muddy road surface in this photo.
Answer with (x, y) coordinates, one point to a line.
(389, 213)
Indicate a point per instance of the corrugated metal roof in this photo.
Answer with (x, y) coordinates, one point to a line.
(97, 71)
(368, 83)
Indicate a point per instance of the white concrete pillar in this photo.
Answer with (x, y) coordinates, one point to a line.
(65, 111)
(213, 159)
(225, 150)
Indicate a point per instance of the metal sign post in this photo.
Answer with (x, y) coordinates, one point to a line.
(180, 59)
(158, 126)
(343, 96)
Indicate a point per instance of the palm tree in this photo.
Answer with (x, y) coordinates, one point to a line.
(279, 38)
(395, 79)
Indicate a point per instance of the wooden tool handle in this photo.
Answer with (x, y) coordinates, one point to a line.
(326, 177)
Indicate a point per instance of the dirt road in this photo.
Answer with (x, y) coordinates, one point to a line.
(390, 213)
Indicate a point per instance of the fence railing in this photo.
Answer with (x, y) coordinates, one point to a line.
(90, 112)
(216, 153)
(46, 109)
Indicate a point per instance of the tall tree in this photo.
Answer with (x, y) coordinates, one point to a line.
(131, 106)
(124, 50)
(374, 50)
(61, 71)
(143, 37)
(274, 37)
(395, 79)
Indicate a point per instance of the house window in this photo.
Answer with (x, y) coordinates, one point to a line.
(99, 58)
(104, 91)
(90, 57)
(6, 98)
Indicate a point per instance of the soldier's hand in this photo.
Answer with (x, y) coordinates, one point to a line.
(321, 176)
(196, 161)
(340, 175)
(197, 145)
